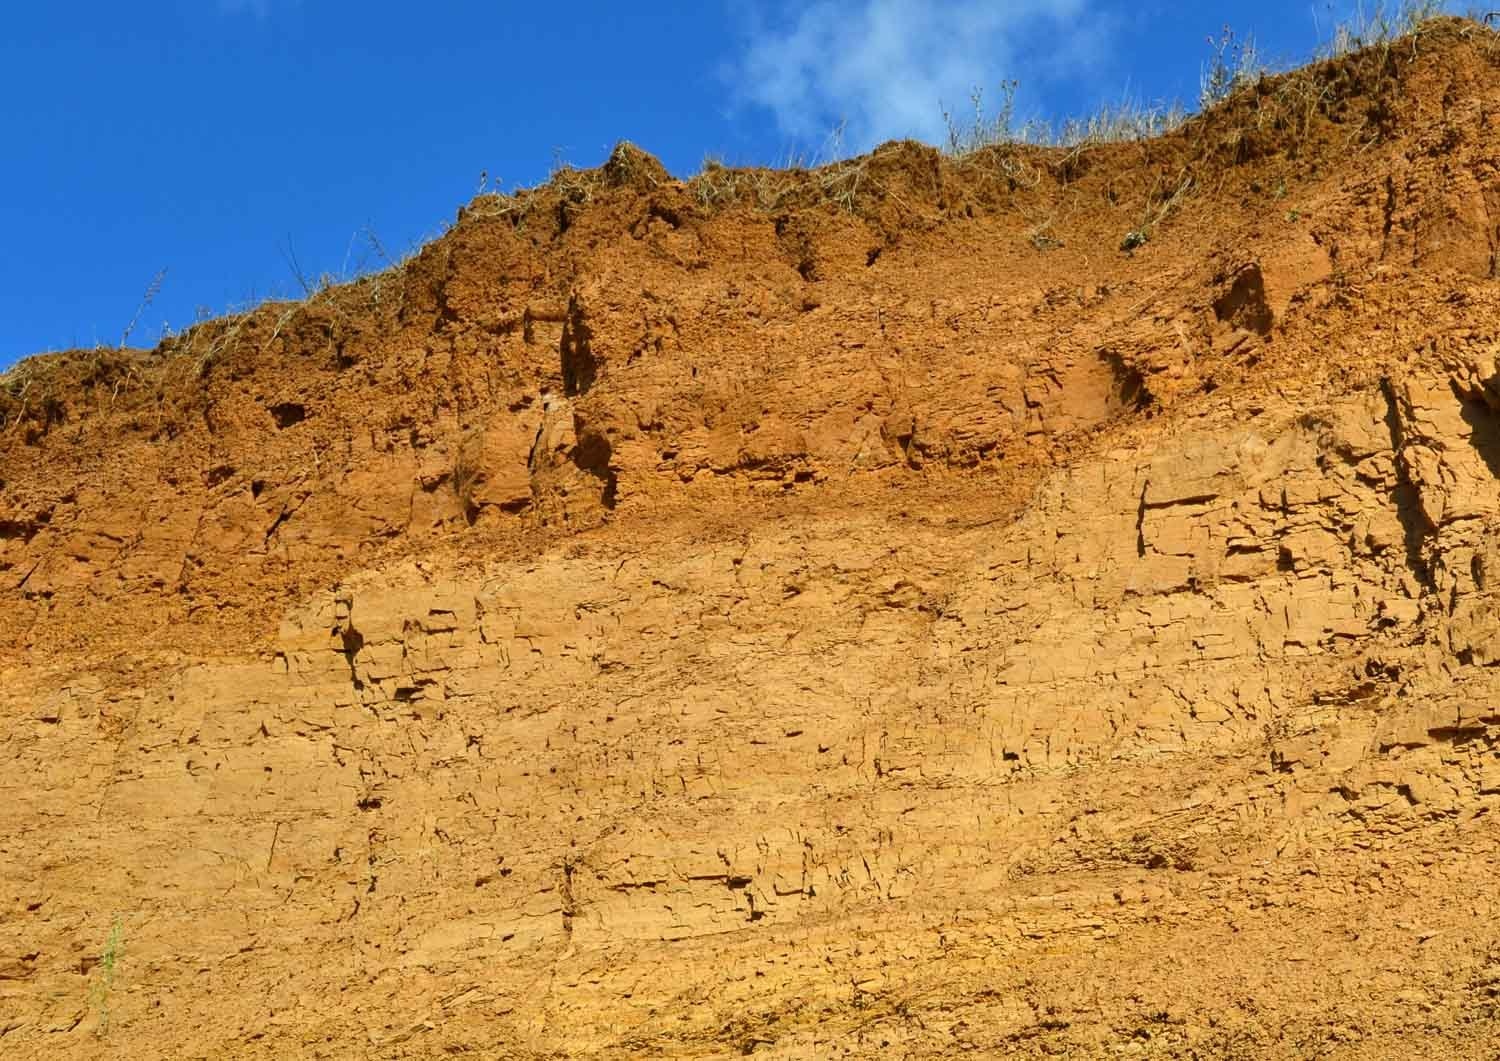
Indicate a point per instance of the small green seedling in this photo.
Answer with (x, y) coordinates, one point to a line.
(104, 980)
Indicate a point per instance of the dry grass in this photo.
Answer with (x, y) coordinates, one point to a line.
(1158, 207)
(1116, 123)
(831, 175)
(1234, 65)
(1381, 24)
(717, 185)
(1247, 113)
(38, 393)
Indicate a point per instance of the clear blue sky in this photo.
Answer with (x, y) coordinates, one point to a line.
(208, 136)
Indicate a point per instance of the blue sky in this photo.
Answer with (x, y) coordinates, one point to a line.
(216, 139)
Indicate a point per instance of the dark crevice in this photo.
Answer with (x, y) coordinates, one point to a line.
(11, 530)
(1244, 305)
(1140, 522)
(1193, 499)
(536, 442)
(1408, 502)
(579, 367)
(569, 903)
(284, 515)
(593, 455)
(1130, 390)
(353, 641)
(288, 413)
(665, 213)
(1484, 433)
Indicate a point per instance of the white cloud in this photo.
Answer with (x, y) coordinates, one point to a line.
(886, 67)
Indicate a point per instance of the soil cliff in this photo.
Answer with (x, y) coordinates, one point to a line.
(1039, 602)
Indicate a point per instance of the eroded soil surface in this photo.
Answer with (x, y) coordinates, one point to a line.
(861, 612)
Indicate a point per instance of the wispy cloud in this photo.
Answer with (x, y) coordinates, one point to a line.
(885, 67)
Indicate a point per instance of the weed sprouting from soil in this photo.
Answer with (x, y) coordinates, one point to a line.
(1233, 63)
(152, 290)
(104, 977)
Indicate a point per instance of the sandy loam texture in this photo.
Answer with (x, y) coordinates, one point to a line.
(837, 613)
